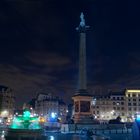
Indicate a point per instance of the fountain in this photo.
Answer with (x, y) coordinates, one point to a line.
(24, 127)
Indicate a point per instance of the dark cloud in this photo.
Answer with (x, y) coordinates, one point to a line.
(39, 45)
(49, 59)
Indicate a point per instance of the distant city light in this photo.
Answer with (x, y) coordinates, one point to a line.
(112, 112)
(53, 115)
(4, 113)
(118, 103)
(93, 102)
(138, 117)
(35, 114)
(51, 137)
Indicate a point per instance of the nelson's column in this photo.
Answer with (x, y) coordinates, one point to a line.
(82, 99)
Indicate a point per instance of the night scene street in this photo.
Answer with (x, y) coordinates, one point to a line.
(69, 70)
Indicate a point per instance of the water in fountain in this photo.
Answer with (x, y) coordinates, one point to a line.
(24, 127)
(26, 121)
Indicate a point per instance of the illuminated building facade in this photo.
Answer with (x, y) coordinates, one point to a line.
(118, 103)
(7, 101)
(133, 103)
(125, 104)
(102, 108)
(46, 104)
(63, 111)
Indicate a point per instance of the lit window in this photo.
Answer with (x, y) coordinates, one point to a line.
(118, 103)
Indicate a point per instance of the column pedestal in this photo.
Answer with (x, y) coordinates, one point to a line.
(82, 108)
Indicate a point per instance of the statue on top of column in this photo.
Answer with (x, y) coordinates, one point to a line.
(82, 23)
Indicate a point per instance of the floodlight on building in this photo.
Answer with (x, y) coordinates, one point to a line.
(35, 114)
(4, 113)
(53, 115)
(102, 116)
(112, 112)
(51, 138)
(130, 91)
(118, 103)
(93, 101)
(138, 117)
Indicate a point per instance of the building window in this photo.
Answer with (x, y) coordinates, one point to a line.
(114, 108)
(118, 103)
(129, 100)
(122, 108)
(129, 109)
(134, 104)
(118, 98)
(118, 108)
(134, 99)
(122, 98)
(114, 98)
(129, 104)
(114, 103)
(135, 108)
(130, 114)
(128, 95)
(133, 95)
(122, 103)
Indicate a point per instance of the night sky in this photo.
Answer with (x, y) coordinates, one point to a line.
(39, 46)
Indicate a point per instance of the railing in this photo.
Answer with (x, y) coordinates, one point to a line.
(104, 129)
(97, 129)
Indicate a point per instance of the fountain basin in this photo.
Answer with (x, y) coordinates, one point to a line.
(24, 134)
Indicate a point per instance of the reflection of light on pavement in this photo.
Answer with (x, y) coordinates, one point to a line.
(2, 135)
(51, 137)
